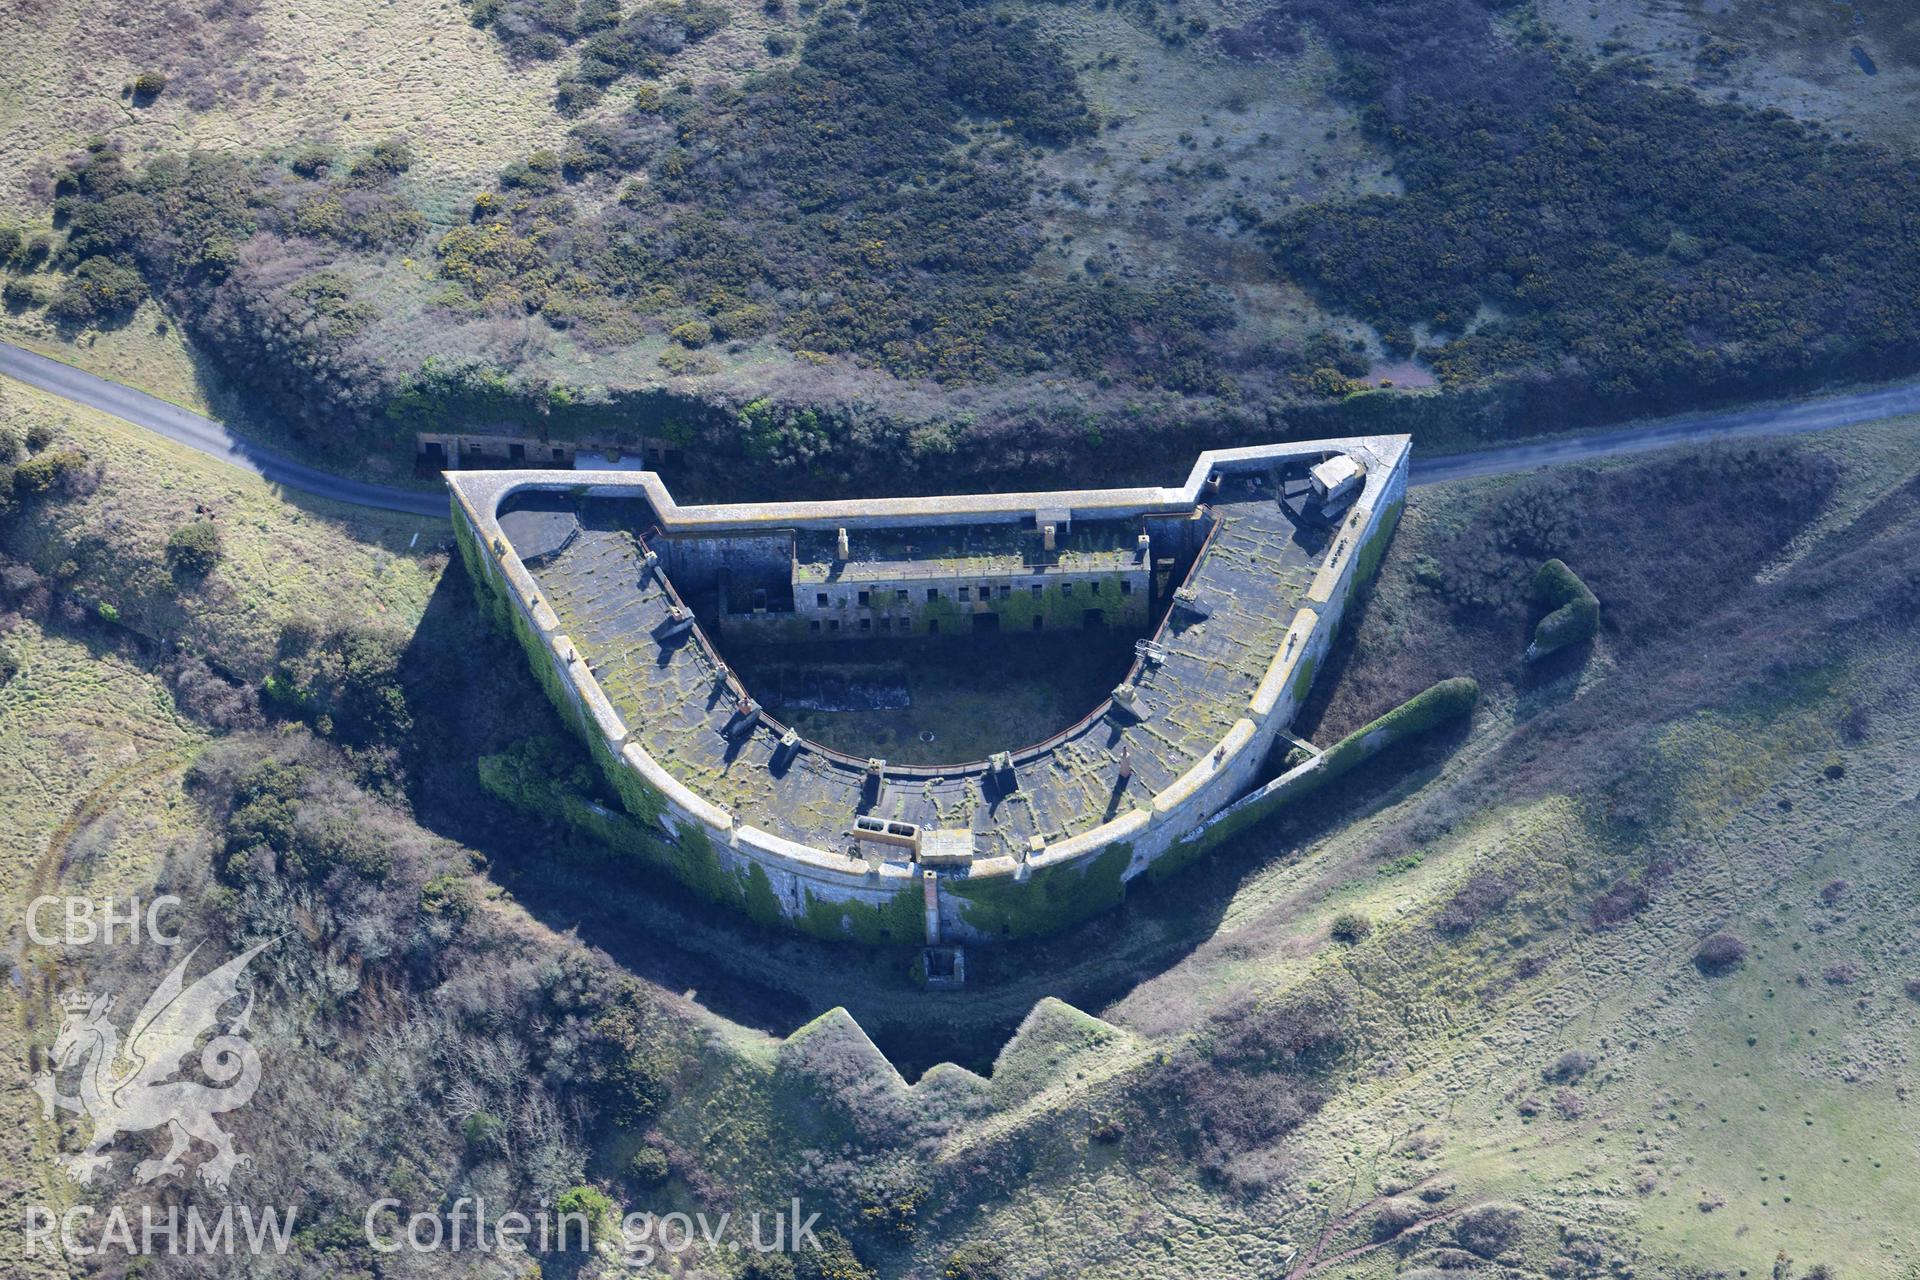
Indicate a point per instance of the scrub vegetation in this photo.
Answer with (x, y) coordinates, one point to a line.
(888, 250)
(1470, 936)
(1597, 965)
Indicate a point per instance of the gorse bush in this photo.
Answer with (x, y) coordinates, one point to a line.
(99, 290)
(1486, 1230)
(1720, 953)
(978, 1261)
(847, 199)
(1394, 1217)
(194, 550)
(1569, 1068)
(649, 1167)
(345, 683)
(19, 295)
(52, 473)
(1643, 240)
(1573, 611)
(1350, 926)
(293, 820)
(243, 253)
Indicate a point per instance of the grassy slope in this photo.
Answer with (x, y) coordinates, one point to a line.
(90, 754)
(322, 74)
(1798, 58)
(1682, 1112)
(308, 560)
(316, 72)
(1278, 133)
(1689, 1129)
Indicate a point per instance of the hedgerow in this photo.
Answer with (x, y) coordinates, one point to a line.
(1447, 700)
(1575, 611)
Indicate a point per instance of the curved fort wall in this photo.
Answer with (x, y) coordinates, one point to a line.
(725, 856)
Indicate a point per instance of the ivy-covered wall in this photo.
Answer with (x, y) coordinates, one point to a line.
(641, 800)
(1425, 711)
(1048, 900)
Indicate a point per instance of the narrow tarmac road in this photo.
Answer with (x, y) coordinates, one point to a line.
(209, 437)
(1797, 418)
(206, 435)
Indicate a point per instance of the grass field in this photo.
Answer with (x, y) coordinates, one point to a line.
(91, 751)
(278, 77)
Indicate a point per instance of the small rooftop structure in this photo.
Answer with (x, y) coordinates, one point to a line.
(1336, 479)
(946, 847)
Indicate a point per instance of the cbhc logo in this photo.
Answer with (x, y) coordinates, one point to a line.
(89, 920)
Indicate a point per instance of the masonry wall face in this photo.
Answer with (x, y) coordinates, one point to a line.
(821, 889)
(950, 605)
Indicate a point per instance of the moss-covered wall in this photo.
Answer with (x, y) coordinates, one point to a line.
(1425, 711)
(1375, 547)
(896, 920)
(1049, 899)
(1302, 679)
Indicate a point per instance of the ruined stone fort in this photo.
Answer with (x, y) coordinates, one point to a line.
(628, 604)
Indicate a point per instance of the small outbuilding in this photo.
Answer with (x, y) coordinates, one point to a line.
(1336, 480)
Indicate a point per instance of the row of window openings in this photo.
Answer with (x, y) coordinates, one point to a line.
(1093, 620)
(518, 452)
(901, 595)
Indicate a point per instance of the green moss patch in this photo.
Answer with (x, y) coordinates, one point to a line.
(1047, 901)
(1575, 610)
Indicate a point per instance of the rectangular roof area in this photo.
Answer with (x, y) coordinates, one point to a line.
(878, 555)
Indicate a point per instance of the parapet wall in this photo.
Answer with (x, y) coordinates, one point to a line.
(727, 856)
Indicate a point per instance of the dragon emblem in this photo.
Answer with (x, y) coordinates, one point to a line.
(130, 1089)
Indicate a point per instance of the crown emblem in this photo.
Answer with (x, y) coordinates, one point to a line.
(77, 1001)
